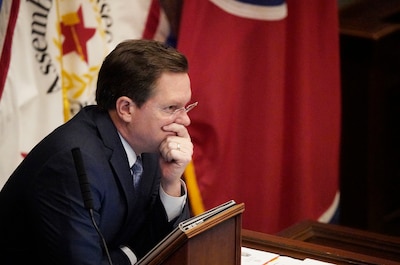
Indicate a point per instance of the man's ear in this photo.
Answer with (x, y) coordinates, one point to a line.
(125, 108)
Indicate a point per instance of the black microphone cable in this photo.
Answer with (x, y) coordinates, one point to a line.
(101, 236)
(87, 196)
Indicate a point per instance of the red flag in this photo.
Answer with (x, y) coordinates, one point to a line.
(267, 128)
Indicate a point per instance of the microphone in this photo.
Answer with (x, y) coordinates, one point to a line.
(83, 180)
(86, 194)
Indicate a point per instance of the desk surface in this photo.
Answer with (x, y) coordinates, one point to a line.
(350, 239)
(328, 243)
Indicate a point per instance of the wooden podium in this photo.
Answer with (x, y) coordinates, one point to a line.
(217, 240)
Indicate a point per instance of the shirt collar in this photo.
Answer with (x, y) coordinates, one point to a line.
(129, 151)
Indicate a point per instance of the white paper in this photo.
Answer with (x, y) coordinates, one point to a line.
(283, 260)
(316, 262)
(256, 257)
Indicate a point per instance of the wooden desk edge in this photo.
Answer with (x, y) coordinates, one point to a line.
(301, 250)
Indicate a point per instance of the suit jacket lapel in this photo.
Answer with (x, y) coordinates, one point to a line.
(117, 157)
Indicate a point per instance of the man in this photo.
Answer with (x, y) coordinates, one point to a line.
(142, 90)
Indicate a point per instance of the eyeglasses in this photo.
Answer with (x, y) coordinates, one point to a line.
(172, 110)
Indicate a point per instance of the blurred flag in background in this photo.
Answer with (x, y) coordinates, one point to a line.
(267, 128)
(51, 52)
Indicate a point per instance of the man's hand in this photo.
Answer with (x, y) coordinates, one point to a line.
(176, 153)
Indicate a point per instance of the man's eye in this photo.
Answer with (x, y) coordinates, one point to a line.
(171, 108)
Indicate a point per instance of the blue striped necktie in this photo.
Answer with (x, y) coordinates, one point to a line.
(137, 170)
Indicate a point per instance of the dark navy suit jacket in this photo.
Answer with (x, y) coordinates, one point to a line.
(43, 219)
